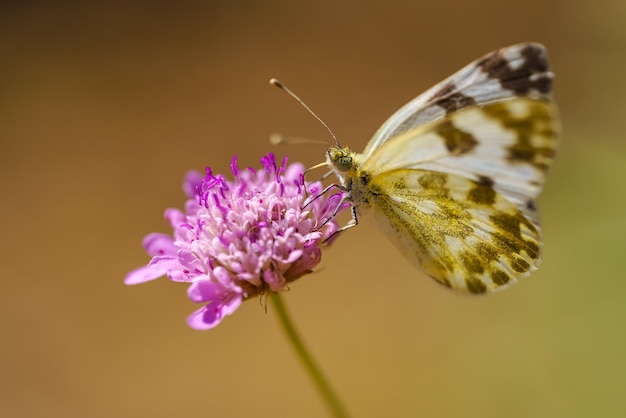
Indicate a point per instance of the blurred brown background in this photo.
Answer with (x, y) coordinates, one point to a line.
(105, 105)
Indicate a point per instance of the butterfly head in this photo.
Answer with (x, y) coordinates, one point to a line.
(340, 158)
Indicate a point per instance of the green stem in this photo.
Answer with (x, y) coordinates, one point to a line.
(332, 401)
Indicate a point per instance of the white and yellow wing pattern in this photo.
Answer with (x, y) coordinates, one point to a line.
(452, 176)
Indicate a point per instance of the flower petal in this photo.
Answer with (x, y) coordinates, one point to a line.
(159, 244)
(175, 216)
(193, 179)
(142, 275)
(204, 291)
(204, 319)
(293, 172)
(157, 267)
(213, 313)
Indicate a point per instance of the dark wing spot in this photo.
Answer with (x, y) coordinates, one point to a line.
(455, 102)
(457, 141)
(520, 265)
(486, 251)
(533, 74)
(483, 192)
(433, 181)
(523, 151)
(472, 263)
(543, 83)
(510, 240)
(475, 285)
(485, 181)
(444, 92)
(539, 122)
(400, 184)
(450, 99)
(508, 223)
(499, 277)
(532, 249)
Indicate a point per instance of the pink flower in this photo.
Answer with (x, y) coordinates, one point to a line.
(238, 239)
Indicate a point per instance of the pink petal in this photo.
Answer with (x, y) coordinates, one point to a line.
(202, 319)
(142, 275)
(293, 256)
(159, 244)
(175, 217)
(156, 268)
(293, 171)
(311, 257)
(204, 291)
(164, 262)
(193, 179)
(213, 313)
(222, 276)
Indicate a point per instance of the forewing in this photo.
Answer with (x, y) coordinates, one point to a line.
(460, 232)
(520, 70)
(507, 145)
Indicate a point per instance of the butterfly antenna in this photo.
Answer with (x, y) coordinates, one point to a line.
(278, 139)
(299, 100)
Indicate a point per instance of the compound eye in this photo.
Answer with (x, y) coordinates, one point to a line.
(344, 163)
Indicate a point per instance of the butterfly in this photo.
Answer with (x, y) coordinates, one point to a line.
(453, 175)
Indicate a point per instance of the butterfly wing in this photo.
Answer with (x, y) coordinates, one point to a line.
(520, 70)
(460, 232)
(506, 145)
(452, 176)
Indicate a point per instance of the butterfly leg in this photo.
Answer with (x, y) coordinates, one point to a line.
(342, 200)
(352, 224)
(326, 190)
(346, 189)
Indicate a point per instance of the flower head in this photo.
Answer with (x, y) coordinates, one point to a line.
(238, 239)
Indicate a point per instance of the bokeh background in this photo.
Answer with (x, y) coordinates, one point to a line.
(105, 105)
